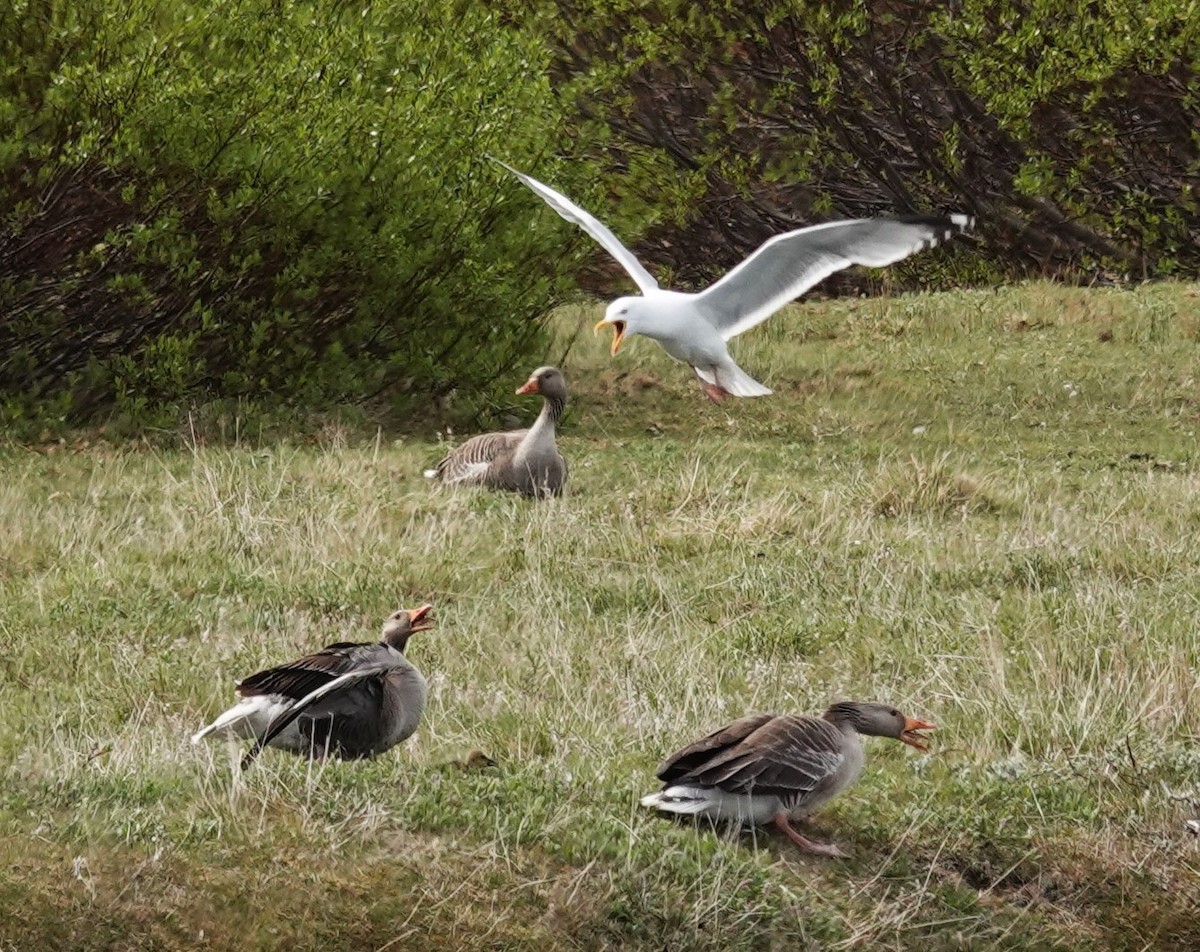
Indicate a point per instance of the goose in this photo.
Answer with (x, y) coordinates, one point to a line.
(768, 768)
(696, 328)
(350, 700)
(523, 461)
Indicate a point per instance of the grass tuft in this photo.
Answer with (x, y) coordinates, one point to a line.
(991, 525)
(919, 487)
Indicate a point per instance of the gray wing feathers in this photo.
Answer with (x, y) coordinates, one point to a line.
(788, 756)
(277, 726)
(297, 678)
(684, 762)
(468, 464)
(786, 266)
(802, 755)
(594, 227)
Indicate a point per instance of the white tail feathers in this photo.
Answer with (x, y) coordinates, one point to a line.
(430, 474)
(740, 383)
(670, 801)
(695, 800)
(248, 718)
(733, 379)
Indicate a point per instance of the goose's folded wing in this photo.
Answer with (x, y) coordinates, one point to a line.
(685, 761)
(298, 678)
(593, 226)
(786, 266)
(786, 756)
(467, 464)
(339, 684)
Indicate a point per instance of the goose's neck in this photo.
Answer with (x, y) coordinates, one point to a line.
(544, 426)
(407, 703)
(417, 694)
(842, 718)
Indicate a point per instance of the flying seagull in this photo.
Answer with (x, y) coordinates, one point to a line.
(694, 328)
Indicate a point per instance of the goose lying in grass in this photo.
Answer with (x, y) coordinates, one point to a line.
(349, 700)
(523, 461)
(766, 768)
(695, 328)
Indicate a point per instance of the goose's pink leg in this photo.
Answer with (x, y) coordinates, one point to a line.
(809, 846)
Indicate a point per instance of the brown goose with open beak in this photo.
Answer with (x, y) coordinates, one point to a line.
(767, 768)
(523, 461)
(350, 700)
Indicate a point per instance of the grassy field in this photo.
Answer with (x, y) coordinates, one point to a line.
(983, 507)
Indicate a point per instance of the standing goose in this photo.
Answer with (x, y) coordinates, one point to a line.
(694, 328)
(350, 700)
(767, 768)
(523, 461)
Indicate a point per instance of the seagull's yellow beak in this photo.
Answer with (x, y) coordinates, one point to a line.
(618, 333)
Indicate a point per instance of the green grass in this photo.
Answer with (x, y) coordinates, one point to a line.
(983, 507)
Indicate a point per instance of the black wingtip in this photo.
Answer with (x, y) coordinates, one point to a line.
(250, 756)
(951, 224)
(962, 223)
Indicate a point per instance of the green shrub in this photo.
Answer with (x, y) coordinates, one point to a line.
(286, 202)
(1069, 129)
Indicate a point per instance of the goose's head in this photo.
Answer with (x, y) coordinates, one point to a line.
(880, 720)
(548, 381)
(625, 316)
(403, 624)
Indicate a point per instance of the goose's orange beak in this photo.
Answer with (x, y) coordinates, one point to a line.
(618, 333)
(529, 386)
(910, 736)
(420, 619)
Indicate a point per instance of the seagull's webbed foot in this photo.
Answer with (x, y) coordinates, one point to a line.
(802, 841)
(715, 392)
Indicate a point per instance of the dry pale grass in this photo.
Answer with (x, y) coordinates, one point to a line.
(1029, 587)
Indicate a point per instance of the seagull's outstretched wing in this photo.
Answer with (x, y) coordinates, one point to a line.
(597, 229)
(286, 717)
(786, 266)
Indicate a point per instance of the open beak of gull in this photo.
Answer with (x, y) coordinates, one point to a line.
(529, 386)
(910, 736)
(421, 619)
(618, 333)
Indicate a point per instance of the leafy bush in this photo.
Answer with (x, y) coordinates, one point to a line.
(1070, 129)
(247, 198)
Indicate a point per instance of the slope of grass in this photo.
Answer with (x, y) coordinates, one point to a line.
(982, 507)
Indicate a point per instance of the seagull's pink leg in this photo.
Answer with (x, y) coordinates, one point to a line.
(715, 392)
(809, 846)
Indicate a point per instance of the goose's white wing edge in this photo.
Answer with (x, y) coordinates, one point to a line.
(597, 229)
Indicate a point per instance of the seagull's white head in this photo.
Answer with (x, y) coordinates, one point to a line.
(625, 317)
